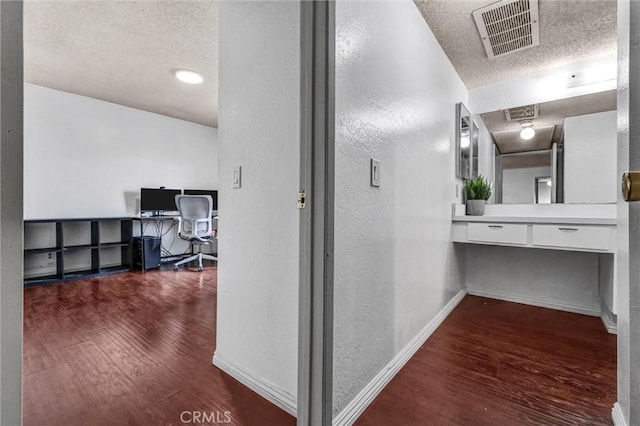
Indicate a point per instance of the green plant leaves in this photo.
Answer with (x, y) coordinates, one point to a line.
(478, 188)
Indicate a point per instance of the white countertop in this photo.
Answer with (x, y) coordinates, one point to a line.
(574, 214)
(537, 219)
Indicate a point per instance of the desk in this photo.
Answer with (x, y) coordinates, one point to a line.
(156, 220)
(582, 280)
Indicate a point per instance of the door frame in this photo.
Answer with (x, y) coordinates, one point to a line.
(317, 164)
(11, 211)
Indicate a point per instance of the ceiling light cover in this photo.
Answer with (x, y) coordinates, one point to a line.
(188, 76)
(527, 133)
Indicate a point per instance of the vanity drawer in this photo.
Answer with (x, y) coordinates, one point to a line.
(571, 236)
(508, 233)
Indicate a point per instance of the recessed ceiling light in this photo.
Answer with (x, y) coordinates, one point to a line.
(188, 76)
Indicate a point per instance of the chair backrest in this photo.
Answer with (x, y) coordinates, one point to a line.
(195, 216)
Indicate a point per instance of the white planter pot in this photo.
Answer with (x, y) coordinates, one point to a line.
(475, 207)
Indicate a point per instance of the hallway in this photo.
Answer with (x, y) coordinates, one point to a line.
(500, 363)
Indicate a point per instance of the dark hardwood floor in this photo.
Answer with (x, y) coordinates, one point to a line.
(135, 349)
(500, 363)
(131, 349)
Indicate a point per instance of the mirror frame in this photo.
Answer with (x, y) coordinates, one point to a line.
(463, 163)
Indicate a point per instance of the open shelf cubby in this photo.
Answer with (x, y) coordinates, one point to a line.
(65, 249)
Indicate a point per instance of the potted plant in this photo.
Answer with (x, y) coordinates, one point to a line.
(478, 191)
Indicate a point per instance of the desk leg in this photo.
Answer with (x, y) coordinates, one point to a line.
(142, 258)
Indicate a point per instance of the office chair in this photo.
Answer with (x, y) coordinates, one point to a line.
(195, 225)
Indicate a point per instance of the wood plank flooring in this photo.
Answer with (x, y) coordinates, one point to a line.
(135, 349)
(131, 349)
(500, 363)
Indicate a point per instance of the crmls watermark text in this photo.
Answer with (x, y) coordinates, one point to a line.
(210, 417)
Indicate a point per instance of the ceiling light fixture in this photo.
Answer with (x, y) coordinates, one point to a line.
(527, 131)
(188, 76)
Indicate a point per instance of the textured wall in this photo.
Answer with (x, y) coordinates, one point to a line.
(89, 158)
(257, 326)
(395, 266)
(589, 146)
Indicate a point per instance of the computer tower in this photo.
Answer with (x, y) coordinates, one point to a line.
(151, 252)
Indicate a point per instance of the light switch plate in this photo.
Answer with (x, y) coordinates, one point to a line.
(237, 177)
(375, 172)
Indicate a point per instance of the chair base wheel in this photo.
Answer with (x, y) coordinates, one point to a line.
(175, 268)
(200, 269)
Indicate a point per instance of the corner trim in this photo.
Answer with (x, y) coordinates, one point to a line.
(609, 324)
(269, 391)
(617, 416)
(356, 407)
(578, 309)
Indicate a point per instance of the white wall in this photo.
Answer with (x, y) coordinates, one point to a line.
(89, 158)
(545, 86)
(590, 174)
(395, 266)
(518, 184)
(257, 318)
(553, 278)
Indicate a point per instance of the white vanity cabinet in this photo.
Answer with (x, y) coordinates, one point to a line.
(574, 237)
(527, 271)
(500, 233)
(528, 232)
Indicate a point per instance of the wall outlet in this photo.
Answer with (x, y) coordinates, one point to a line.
(50, 259)
(237, 177)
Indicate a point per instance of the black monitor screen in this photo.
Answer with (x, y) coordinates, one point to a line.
(214, 195)
(158, 200)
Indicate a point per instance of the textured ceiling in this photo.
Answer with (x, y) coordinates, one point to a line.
(570, 31)
(126, 52)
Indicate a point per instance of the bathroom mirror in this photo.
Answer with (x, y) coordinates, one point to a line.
(562, 151)
(464, 144)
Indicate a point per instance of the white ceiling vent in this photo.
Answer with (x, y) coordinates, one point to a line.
(508, 26)
(525, 112)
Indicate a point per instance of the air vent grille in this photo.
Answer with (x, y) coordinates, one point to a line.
(524, 112)
(508, 26)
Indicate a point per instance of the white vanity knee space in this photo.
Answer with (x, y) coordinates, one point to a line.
(525, 265)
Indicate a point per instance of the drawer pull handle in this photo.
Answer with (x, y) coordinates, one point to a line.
(495, 226)
(568, 229)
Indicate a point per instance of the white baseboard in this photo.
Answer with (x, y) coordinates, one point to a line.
(617, 416)
(264, 388)
(356, 407)
(578, 309)
(609, 324)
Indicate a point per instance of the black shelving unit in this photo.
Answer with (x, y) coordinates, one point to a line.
(65, 249)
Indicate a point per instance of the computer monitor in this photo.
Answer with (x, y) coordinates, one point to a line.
(158, 200)
(213, 193)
